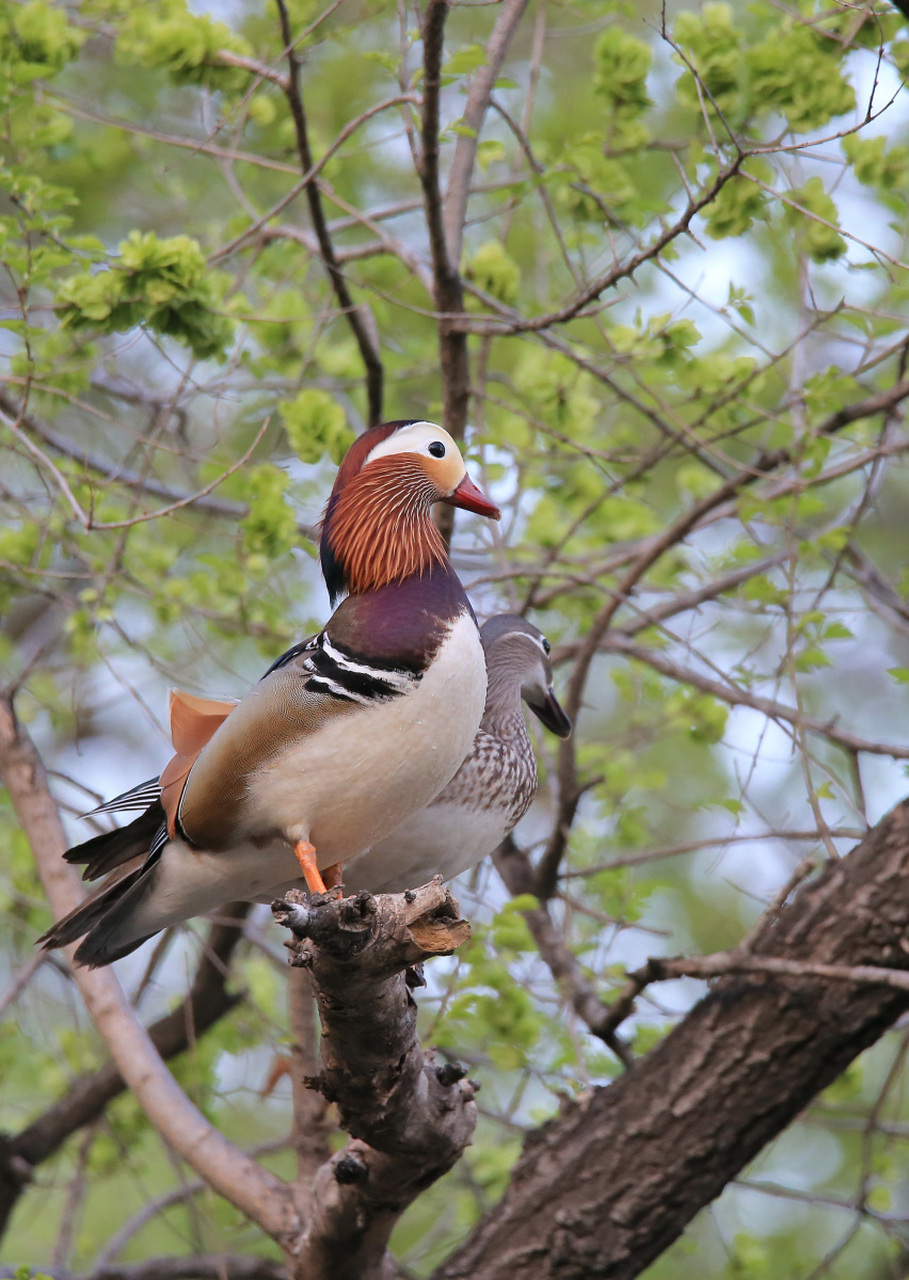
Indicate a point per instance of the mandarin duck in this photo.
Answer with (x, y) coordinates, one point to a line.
(343, 737)
(494, 786)
(485, 799)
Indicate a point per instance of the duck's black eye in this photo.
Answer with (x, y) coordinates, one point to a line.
(547, 647)
(437, 449)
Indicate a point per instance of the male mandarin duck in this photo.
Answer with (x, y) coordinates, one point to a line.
(341, 739)
(494, 786)
(491, 791)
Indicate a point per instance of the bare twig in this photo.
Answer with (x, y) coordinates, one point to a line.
(478, 97)
(358, 317)
(734, 695)
(130, 479)
(514, 867)
(85, 518)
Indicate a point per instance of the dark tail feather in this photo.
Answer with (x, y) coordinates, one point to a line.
(102, 917)
(95, 952)
(90, 912)
(114, 848)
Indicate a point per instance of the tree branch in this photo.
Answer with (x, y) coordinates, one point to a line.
(363, 328)
(130, 479)
(478, 99)
(663, 1141)
(735, 696)
(207, 1001)
(448, 292)
(250, 1188)
(503, 324)
(409, 1120)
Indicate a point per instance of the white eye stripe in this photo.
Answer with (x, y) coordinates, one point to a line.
(540, 642)
(415, 438)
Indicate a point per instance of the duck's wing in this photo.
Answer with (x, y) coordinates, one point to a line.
(193, 723)
(302, 693)
(138, 797)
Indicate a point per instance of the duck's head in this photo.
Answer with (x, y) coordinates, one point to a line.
(377, 527)
(517, 657)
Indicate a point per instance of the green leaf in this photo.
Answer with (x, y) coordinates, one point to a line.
(796, 71)
(167, 34)
(493, 271)
(739, 203)
(818, 239)
(315, 425)
(162, 283)
(712, 43)
(466, 61)
(622, 63)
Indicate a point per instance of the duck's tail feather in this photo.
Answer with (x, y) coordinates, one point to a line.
(104, 918)
(112, 849)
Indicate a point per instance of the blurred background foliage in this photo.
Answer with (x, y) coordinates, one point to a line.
(177, 385)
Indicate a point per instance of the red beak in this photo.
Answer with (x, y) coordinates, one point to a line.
(468, 496)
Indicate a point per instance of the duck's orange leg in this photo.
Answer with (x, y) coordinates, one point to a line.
(305, 854)
(334, 875)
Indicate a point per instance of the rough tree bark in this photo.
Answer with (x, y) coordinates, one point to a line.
(608, 1184)
(409, 1120)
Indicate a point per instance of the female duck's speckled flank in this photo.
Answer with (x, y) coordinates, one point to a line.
(344, 736)
(494, 786)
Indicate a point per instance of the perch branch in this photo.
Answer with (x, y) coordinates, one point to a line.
(409, 1120)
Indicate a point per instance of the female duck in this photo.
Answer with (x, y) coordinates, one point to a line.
(495, 785)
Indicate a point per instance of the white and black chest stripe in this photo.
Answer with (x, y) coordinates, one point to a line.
(333, 670)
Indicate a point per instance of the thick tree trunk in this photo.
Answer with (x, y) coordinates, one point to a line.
(608, 1184)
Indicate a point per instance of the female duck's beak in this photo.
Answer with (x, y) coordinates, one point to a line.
(549, 711)
(468, 496)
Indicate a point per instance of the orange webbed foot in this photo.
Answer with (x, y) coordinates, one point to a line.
(305, 854)
(334, 876)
